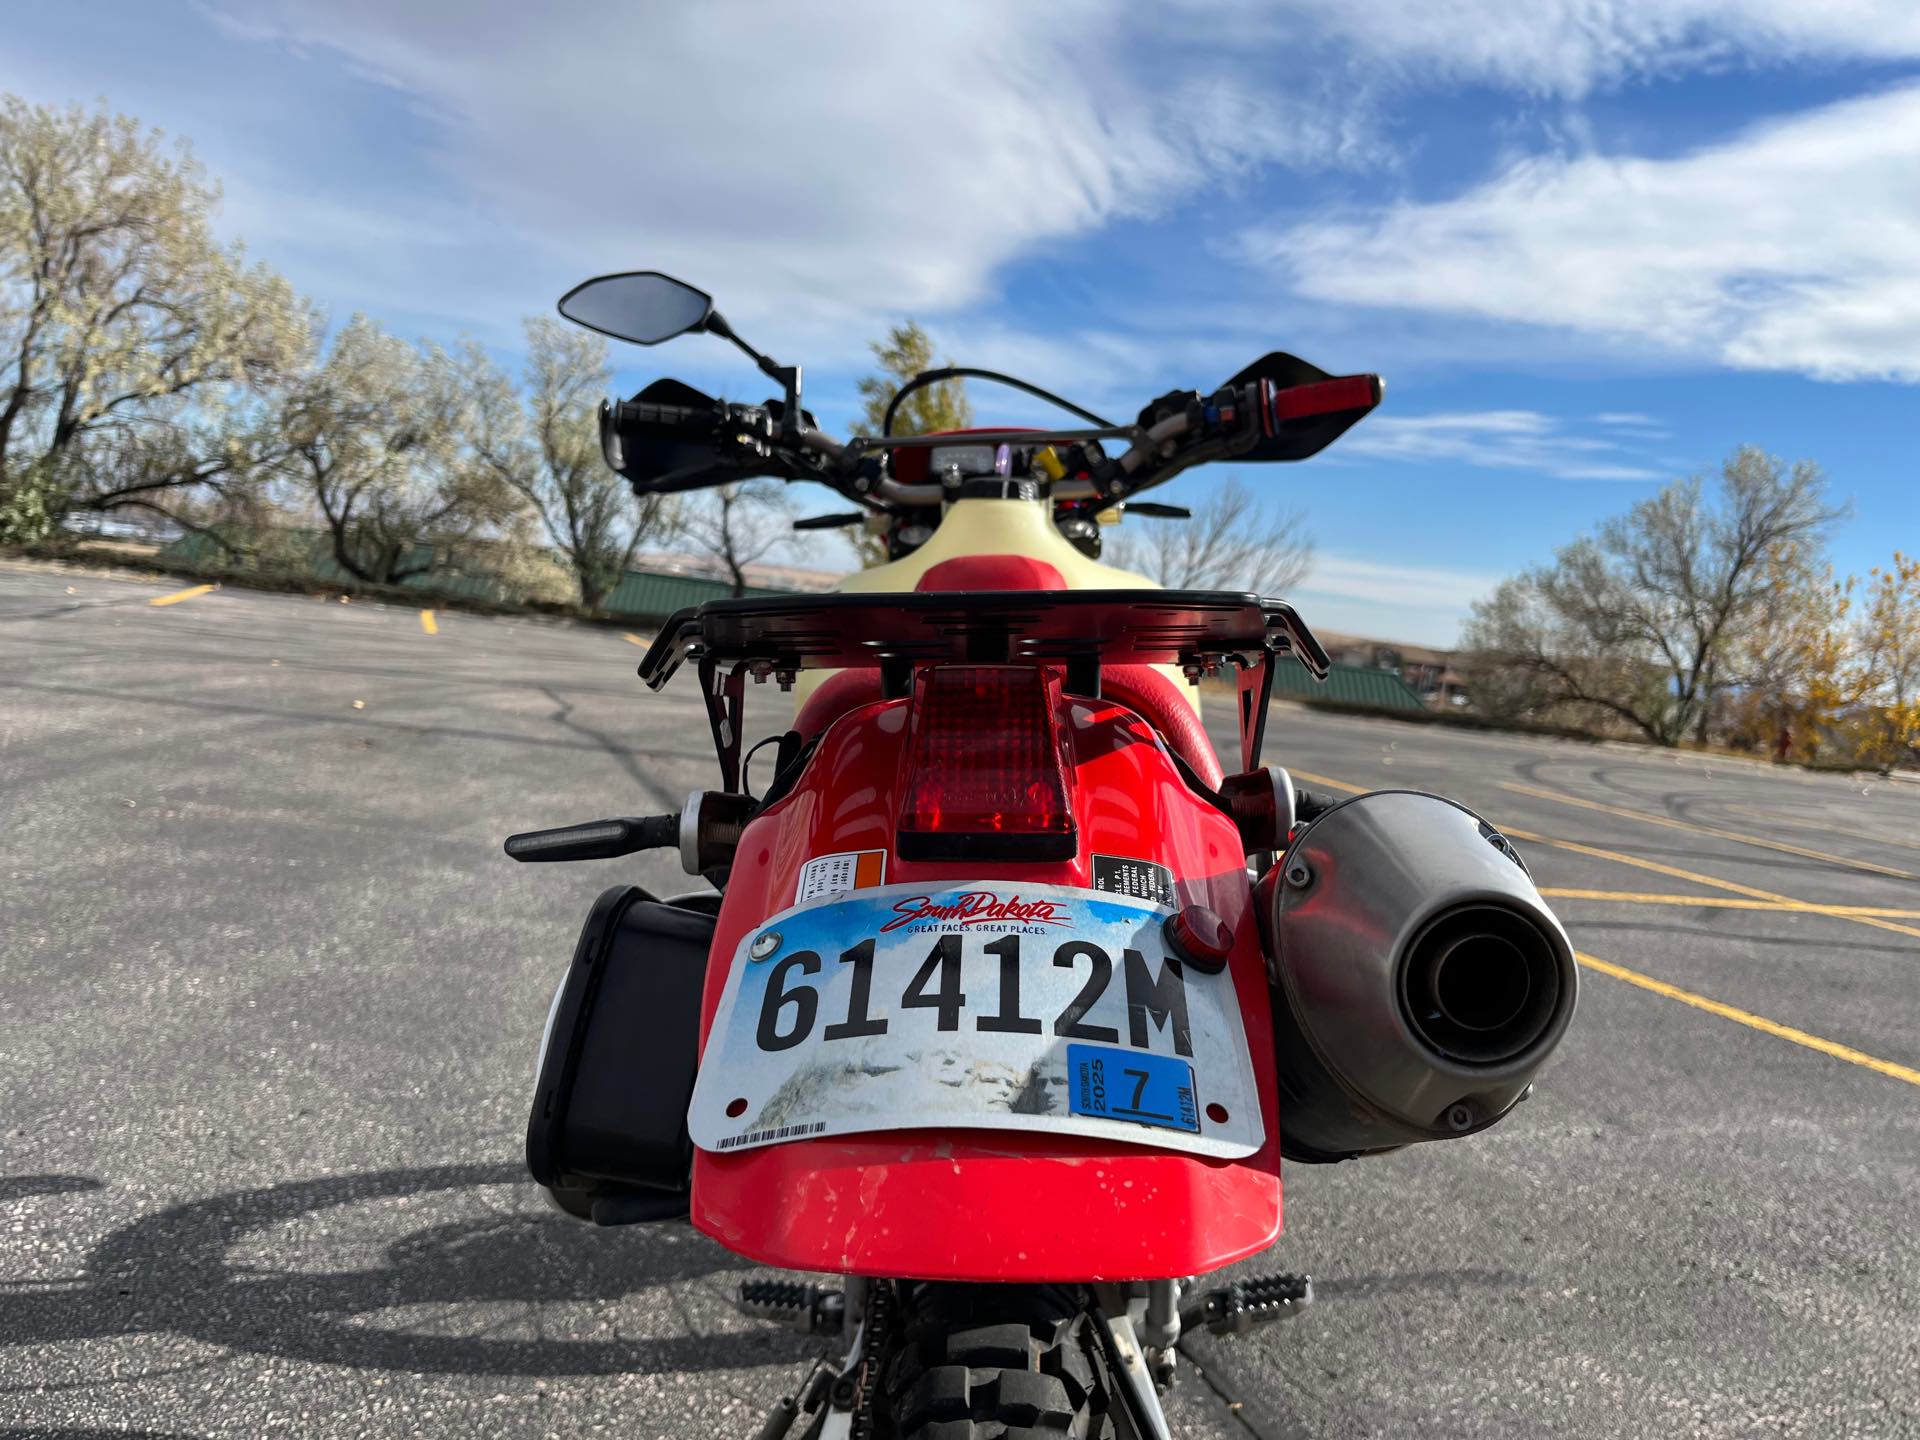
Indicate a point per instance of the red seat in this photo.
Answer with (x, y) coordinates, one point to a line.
(1158, 701)
(1140, 688)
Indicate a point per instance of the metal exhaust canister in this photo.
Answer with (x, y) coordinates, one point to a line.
(1420, 980)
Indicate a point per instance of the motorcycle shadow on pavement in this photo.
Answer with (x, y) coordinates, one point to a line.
(438, 1299)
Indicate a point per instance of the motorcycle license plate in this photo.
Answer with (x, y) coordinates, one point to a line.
(1040, 1008)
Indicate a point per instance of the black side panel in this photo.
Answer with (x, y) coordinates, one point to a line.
(610, 1108)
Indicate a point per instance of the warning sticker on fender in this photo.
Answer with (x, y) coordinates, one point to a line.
(848, 870)
(1142, 879)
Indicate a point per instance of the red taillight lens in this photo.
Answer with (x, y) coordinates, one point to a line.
(986, 774)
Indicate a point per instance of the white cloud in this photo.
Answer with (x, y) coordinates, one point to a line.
(825, 170)
(1420, 604)
(1500, 439)
(814, 170)
(1793, 246)
(822, 171)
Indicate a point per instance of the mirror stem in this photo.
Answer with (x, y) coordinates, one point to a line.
(787, 376)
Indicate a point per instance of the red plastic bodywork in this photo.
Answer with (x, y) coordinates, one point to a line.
(994, 1206)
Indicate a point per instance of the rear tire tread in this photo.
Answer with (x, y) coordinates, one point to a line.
(1000, 1363)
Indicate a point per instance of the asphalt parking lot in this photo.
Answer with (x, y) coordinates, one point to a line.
(269, 997)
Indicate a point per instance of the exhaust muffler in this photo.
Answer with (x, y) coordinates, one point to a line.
(1420, 980)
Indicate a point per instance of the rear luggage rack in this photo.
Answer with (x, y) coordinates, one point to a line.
(1200, 631)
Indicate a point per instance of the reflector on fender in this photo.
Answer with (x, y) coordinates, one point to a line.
(986, 769)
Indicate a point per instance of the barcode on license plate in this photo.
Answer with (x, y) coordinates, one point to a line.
(762, 1137)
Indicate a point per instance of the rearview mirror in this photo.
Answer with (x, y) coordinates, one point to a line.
(643, 306)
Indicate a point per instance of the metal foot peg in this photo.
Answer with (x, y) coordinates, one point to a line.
(809, 1309)
(1247, 1303)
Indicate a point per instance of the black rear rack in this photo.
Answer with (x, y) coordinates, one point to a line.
(1199, 631)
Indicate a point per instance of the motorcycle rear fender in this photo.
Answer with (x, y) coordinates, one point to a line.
(984, 1205)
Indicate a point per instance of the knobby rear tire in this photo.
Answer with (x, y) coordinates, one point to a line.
(998, 1362)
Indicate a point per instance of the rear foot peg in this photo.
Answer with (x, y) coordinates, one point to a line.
(809, 1309)
(1244, 1304)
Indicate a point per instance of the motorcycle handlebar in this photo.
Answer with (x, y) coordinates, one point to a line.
(761, 433)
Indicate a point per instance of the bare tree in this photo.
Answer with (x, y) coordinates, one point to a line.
(1645, 620)
(132, 345)
(740, 524)
(549, 453)
(376, 435)
(1233, 542)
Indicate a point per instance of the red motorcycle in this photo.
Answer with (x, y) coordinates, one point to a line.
(1008, 1001)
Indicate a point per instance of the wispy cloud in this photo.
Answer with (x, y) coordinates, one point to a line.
(1793, 246)
(1499, 439)
(1423, 604)
(820, 174)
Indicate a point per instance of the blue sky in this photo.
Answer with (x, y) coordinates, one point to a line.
(1592, 244)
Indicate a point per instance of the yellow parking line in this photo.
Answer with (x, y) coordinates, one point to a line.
(635, 638)
(1786, 902)
(1722, 902)
(1712, 882)
(428, 623)
(1327, 781)
(1748, 1018)
(179, 595)
(1560, 798)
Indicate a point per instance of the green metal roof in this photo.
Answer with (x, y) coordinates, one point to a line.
(1345, 685)
(646, 595)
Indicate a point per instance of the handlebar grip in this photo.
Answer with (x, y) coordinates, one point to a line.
(680, 419)
(1325, 397)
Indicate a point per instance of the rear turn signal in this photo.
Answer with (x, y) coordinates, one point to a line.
(986, 770)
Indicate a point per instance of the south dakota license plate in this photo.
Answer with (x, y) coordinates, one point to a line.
(1037, 1008)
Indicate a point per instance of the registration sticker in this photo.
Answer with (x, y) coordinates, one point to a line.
(1129, 1085)
(848, 870)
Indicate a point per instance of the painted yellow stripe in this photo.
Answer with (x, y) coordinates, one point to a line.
(1712, 882)
(1561, 798)
(1722, 902)
(1672, 872)
(1326, 780)
(1748, 1018)
(428, 623)
(179, 595)
(635, 639)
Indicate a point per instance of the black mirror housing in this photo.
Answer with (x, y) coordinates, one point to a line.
(642, 306)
